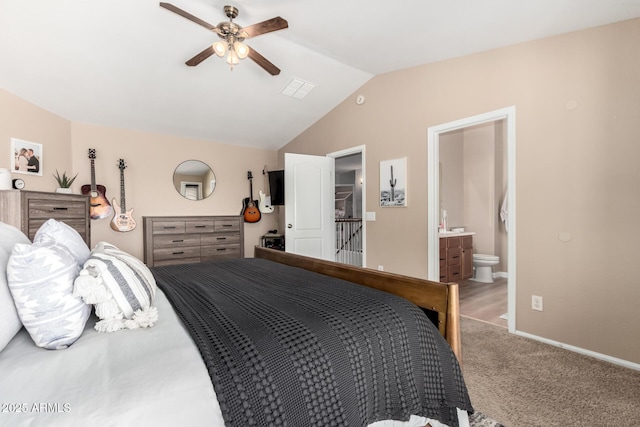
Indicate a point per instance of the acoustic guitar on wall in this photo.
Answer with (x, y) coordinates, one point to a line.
(99, 206)
(250, 210)
(122, 218)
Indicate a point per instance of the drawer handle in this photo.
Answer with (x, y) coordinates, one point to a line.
(60, 209)
(178, 240)
(169, 227)
(221, 238)
(200, 226)
(221, 249)
(178, 253)
(227, 225)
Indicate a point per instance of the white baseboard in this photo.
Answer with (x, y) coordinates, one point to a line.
(580, 350)
(502, 274)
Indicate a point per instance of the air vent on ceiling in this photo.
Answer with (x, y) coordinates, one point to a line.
(298, 88)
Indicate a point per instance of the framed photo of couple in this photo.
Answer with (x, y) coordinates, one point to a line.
(26, 157)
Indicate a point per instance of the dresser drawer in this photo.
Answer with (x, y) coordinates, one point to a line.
(175, 261)
(227, 225)
(168, 227)
(58, 209)
(176, 241)
(219, 239)
(199, 227)
(231, 250)
(78, 224)
(160, 254)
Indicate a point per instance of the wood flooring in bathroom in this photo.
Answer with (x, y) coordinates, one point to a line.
(484, 301)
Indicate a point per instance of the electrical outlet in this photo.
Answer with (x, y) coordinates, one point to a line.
(536, 302)
(381, 268)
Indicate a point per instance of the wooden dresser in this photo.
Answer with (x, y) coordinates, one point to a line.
(28, 210)
(191, 239)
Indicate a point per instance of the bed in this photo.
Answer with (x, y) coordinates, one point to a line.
(156, 375)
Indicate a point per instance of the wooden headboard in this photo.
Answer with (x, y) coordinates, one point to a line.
(441, 298)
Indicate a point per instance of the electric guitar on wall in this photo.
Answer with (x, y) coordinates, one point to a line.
(265, 198)
(99, 206)
(250, 210)
(122, 218)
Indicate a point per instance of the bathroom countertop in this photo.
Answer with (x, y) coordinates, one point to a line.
(455, 233)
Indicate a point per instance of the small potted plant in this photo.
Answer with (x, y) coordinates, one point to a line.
(64, 182)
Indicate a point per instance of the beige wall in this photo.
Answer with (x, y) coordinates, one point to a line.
(151, 160)
(576, 99)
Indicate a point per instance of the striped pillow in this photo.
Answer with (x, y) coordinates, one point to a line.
(121, 288)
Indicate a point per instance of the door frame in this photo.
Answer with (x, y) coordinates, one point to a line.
(360, 149)
(507, 114)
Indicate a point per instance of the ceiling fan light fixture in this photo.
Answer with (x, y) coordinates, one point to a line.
(220, 48)
(232, 58)
(241, 49)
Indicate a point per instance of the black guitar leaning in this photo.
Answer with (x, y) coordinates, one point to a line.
(250, 210)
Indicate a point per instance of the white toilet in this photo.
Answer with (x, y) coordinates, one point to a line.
(482, 264)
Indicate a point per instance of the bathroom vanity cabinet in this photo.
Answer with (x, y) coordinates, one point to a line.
(456, 257)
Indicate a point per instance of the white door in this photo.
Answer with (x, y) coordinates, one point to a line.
(309, 205)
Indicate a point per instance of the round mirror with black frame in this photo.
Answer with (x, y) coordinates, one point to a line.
(194, 180)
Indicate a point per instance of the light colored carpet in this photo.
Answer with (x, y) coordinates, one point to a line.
(522, 382)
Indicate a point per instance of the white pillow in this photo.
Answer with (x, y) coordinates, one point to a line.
(121, 288)
(63, 234)
(9, 321)
(41, 279)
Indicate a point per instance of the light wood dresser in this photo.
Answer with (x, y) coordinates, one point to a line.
(28, 210)
(191, 239)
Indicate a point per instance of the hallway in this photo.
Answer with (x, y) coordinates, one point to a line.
(484, 301)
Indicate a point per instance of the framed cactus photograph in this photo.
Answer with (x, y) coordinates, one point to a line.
(393, 183)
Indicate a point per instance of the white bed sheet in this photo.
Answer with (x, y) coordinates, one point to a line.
(143, 377)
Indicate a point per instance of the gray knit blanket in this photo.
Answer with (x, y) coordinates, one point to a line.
(289, 347)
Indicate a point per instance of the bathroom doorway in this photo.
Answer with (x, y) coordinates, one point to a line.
(500, 124)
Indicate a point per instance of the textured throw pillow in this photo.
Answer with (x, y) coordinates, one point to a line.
(9, 321)
(62, 234)
(41, 279)
(121, 288)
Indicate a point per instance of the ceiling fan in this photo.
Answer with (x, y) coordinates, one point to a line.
(232, 36)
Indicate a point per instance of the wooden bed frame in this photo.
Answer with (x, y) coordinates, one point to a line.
(441, 298)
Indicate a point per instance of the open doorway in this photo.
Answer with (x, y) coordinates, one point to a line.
(350, 228)
(435, 134)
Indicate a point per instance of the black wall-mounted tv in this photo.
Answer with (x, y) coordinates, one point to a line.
(276, 187)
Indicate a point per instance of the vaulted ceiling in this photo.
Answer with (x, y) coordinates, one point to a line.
(121, 63)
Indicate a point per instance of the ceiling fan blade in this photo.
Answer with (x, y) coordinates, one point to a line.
(200, 57)
(273, 24)
(189, 16)
(263, 62)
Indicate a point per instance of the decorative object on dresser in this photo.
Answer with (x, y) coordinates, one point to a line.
(99, 205)
(5, 179)
(28, 210)
(191, 239)
(64, 182)
(18, 184)
(265, 198)
(456, 258)
(250, 210)
(122, 218)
